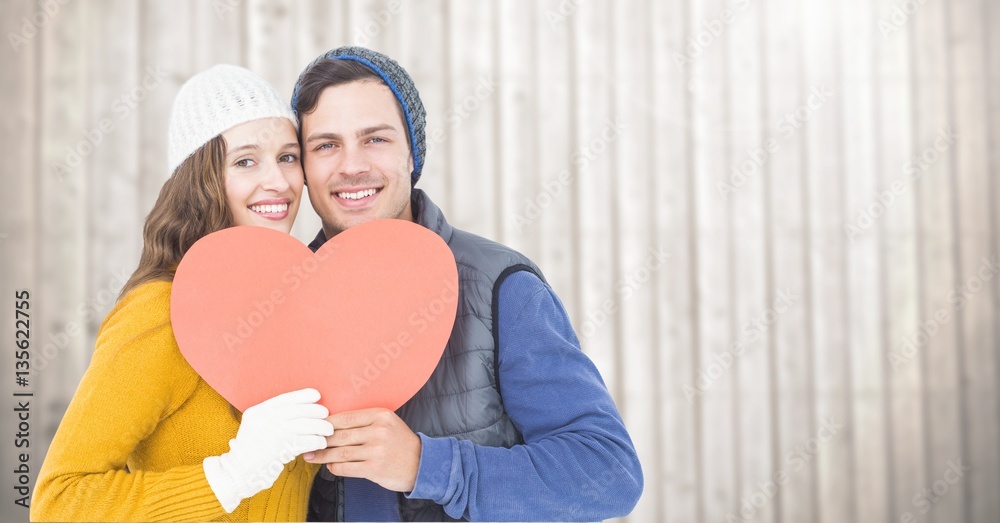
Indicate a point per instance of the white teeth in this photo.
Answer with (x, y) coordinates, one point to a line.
(357, 195)
(269, 209)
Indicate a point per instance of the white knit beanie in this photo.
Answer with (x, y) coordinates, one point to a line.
(214, 101)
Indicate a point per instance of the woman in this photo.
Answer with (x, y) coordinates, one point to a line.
(145, 438)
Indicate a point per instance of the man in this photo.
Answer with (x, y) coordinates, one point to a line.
(515, 423)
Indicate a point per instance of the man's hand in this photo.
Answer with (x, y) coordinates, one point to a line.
(374, 444)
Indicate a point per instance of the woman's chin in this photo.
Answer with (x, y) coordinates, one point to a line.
(281, 223)
(285, 226)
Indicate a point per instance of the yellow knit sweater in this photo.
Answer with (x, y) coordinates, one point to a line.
(141, 406)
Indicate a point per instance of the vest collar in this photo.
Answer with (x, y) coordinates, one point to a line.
(426, 213)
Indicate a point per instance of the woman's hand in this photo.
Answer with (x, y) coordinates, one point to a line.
(271, 434)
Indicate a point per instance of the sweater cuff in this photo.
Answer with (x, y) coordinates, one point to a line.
(434, 472)
(221, 483)
(184, 495)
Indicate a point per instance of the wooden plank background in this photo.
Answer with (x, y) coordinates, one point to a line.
(746, 138)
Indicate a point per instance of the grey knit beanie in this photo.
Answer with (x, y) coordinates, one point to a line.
(399, 83)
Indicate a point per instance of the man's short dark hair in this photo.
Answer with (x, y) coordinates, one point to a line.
(330, 73)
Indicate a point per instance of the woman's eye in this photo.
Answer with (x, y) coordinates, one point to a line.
(288, 158)
(245, 162)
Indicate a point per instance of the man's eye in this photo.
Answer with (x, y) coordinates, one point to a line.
(324, 146)
(378, 139)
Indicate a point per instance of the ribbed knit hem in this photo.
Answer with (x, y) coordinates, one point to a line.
(184, 496)
(288, 498)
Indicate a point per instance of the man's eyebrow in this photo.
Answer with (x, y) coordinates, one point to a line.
(374, 129)
(322, 136)
(361, 132)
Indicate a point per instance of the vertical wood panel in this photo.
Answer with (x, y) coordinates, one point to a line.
(517, 112)
(640, 261)
(678, 483)
(991, 45)
(320, 26)
(827, 261)
(859, 37)
(447, 192)
(390, 38)
(473, 106)
(554, 92)
(900, 282)
(433, 32)
(218, 36)
(595, 180)
(161, 50)
(427, 22)
(270, 36)
(713, 271)
(358, 14)
(936, 352)
(794, 416)
(62, 185)
(270, 41)
(365, 28)
(745, 198)
(114, 234)
(979, 337)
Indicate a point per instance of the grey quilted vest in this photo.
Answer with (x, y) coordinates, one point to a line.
(462, 397)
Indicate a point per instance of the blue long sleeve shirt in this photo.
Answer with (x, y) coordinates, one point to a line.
(577, 461)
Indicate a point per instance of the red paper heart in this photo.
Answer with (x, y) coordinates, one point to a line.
(364, 320)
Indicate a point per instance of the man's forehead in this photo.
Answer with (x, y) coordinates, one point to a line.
(379, 101)
(367, 88)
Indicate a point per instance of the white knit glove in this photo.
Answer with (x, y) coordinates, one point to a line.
(271, 434)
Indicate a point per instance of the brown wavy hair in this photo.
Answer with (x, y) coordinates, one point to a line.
(191, 204)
